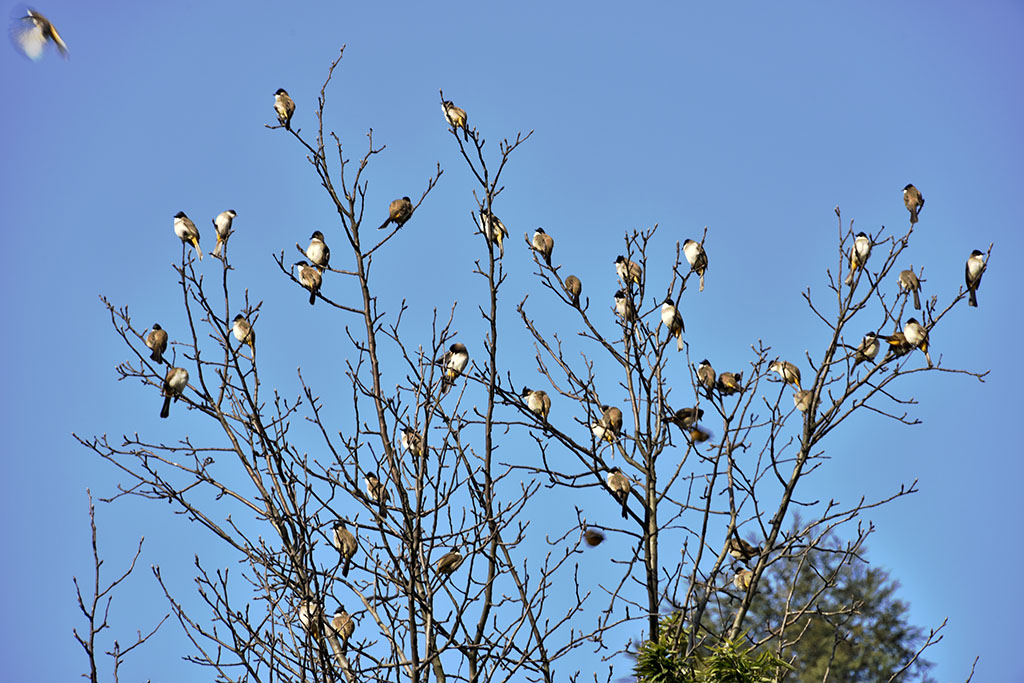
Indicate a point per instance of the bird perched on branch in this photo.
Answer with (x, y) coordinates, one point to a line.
(729, 383)
(494, 230)
(175, 382)
(741, 550)
(685, 418)
(456, 118)
(311, 616)
(697, 258)
(346, 545)
(909, 283)
(187, 231)
(593, 537)
(972, 275)
(537, 401)
(285, 108)
(318, 253)
(629, 272)
(449, 562)
(342, 626)
(624, 306)
(33, 31)
(573, 287)
(156, 340)
(376, 491)
(310, 278)
(222, 226)
(706, 377)
(917, 336)
(243, 332)
(743, 579)
(609, 426)
(789, 373)
(858, 255)
(671, 318)
(412, 442)
(453, 361)
(898, 346)
(618, 484)
(866, 350)
(543, 244)
(399, 212)
(914, 201)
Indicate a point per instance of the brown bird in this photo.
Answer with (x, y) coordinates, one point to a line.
(399, 211)
(311, 279)
(318, 253)
(867, 350)
(175, 382)
(628, 271)
(156, 340)
(699, 435)
(449, 562)
(456, 118)
(573, 287)
(685, 418)
(285, 107)
(377, 492)
(609, 426)
(243, 332)
(730, 383)
(537, 401)
(743, 579)
(741, 550)
(618, 484)
(789, 373)
(909, 283)
(917, 336)
(706, 377)
(187, 231)
(494, 230)
(697, 258)
(898, 345)
(342, 625)
(346, 545)
(975, 269)
(543, 244)
(593, 537)
(914, 201)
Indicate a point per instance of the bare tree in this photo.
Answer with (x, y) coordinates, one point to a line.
(406, 519)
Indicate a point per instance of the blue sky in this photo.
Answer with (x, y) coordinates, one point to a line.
(753, 120)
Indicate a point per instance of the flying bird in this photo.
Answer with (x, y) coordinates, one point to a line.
(573, 287)
(285, 107)
(33, 31)
(673, 321)
(618, 484)
(175, 382)
(187, 231)
(156, 340)
(310, 278)
(453, 361)
(537, 401)
(628, 271)
(697, 258)
(494, 230)
(858, 255)
(543, 244)
(909, 283)
(318, 253)
(789, 373)
(456, 117)
(243, 332)
(914, 201)
(346, 545)
(593, 537)
(975, 269)
(222, 226)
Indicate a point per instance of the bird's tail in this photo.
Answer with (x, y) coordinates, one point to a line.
(702, 282)
(156, 356)
(679, 340)
(166, 410)
(348, 565)
(917, 300)
(195, 243)
(972, 299)
(220, 243)
(312, 297)
(849, 278)
(625, 505)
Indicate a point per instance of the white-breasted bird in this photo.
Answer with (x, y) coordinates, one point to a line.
(285, 107)
(33, 31)
(972, 275)
(858, 255)
(318, 253)
(222, 226)
(187, 231)
(697, 258)
(453, 361)
(543, 244)
(175, 382)
(494, 230)
(917, 336)
(671, 318)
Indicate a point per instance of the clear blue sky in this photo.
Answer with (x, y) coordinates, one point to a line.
(753, 120)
